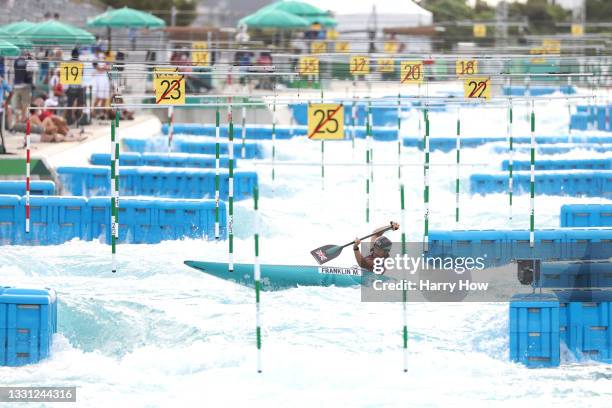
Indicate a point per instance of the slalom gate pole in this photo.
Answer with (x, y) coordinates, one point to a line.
(399, 138)
(230, 199)
(114, 191)
(458, 160)
(273, 133)
(170, 127)
(257, 277)
(532, 181)
(510, 132)
(217, 170)
(322, 148)
(243, 149)
(28, 154)
(405, 292)
(353, 122)
(426, 179)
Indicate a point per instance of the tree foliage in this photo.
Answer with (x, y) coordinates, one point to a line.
(161, 8)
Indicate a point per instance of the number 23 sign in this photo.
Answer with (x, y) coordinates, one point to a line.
(325, 121)
(169, 88)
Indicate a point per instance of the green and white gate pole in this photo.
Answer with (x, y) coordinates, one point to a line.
(532, 182)
(426, 179)
(405, 292)
(399, 138)
(353, 123)
(370, 142)
(230, 199)
(114, 235)
(510, 159)
(243, 149)
(322, 148)
(367, 168)
(257, 277)
(458, 159)
(217, 170)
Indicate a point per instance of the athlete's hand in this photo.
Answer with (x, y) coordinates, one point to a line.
(394, 225)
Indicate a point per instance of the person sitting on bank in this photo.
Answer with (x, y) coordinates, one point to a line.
(381, 246)
(55, 128)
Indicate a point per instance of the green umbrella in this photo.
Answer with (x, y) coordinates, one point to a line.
(7, 49)
(18, 26)
(20, 42)
(125, 18)
(297, 7)
(324, 20)
(272, 18)
(54, 32)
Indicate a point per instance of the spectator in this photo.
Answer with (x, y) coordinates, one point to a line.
(55, 128)
(22, 85)
(75, 96)
(101, 90)
(56, 88)
(4, 104)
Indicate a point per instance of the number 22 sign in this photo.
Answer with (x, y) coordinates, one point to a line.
(325, 121)
(477, 88)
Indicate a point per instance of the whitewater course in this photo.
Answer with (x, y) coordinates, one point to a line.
(160, 295)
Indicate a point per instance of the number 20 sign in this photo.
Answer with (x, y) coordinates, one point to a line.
(325, 121)
(169, 88)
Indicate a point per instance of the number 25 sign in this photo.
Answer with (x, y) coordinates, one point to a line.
(325, 121)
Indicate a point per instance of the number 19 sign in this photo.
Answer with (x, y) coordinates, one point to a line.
(71, 73)
(325, 121)
(169, 87)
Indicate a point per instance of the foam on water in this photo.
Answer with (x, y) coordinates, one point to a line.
(160, 334)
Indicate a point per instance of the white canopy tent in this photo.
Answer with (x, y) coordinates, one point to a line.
(357, 15)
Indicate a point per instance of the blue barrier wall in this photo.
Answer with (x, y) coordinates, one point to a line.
(579, 164)
(576, 274)
(252, 150)
(519, 90)
(586, 215)
(203, 161)
(556, 149)
(156, 181)
(55, 220)
(575, 183)
(18, 187)
(28, 320)
(503, 246)
(590, 117)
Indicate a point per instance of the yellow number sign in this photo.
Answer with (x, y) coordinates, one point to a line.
(466, 67)
(411, 72)
(71, 73)
(577, 30)
(318, 47)
(169, 87)
(538, 51)
(200, 55)
(308, 66)
(552, 46)
(325, 121)
(359, 65)
(342, 46)
(391, 47)
(385, 65)
(479, 30)
(332, 34)
(477, 88)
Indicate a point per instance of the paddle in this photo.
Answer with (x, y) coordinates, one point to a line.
(328, 252)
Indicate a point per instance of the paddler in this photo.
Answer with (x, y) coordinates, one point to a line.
(380, 247)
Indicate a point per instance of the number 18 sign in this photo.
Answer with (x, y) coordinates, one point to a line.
(325, 121)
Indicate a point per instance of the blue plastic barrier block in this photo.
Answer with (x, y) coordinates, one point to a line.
(18, 187)
(98, 225)
(190, 219)
(87, 180)
(586, 215)
(10, 223)
(125, 159)
(587, 323)
(28, 320)
(138, 221)
(534, 330)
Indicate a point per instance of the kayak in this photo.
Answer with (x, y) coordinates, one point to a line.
(279, 277)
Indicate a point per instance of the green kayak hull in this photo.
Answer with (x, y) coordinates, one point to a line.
(279, 277)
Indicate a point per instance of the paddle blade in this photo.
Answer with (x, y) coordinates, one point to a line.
(326, 253)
